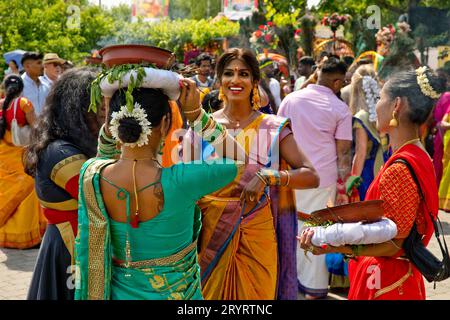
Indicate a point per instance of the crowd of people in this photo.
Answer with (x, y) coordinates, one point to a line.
(123, 206)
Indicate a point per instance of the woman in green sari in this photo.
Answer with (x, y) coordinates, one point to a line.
(138, 222)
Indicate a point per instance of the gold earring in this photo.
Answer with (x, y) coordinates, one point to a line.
(255, 98)
(222, 97)
(162, 144)
(394, 121)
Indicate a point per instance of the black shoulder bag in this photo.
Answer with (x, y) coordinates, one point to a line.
(429, 266)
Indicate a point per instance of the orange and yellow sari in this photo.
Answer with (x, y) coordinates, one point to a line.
(22, 223)
(249, 253)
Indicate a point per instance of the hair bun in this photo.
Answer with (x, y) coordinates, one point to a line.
(129, 130)
(437, 83)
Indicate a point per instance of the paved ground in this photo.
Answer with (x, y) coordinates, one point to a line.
(16, 267)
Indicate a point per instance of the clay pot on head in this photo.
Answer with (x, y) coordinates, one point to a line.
(137, 54)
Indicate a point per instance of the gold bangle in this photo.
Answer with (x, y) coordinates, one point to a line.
(192, 111)
(288, 178)
(261, 178)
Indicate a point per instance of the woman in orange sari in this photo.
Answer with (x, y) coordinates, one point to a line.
(380, 271)
(247, 247)
(22, 224)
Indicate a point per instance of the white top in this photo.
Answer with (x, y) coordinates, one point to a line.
(275, 88)
(35, 92)
(45, 79)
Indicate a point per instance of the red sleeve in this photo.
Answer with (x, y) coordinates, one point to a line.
(401, 198)
(67, 172)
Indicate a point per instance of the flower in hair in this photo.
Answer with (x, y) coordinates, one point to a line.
(424, 83)
(372, 94)
(138, 113)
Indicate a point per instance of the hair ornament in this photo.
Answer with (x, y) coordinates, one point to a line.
(138, 113)
(372, 95)
(424, 83)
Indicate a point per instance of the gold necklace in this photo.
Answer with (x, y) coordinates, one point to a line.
(237, 122)
(138, 159)
(408, 142)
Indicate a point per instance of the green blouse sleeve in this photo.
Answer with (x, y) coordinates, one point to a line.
(200, 179)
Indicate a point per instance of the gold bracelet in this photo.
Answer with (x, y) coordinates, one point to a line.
(261, 178)
(192, 111)
(288, 178)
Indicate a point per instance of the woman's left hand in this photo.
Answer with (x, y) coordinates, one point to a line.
(253, 191)
(306, 244)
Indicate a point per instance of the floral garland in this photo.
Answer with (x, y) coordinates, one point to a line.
(424, 83)
(335, 20)
(372, 94)
(265, 36)
(138, 113)
(297, 34)
(386, 35)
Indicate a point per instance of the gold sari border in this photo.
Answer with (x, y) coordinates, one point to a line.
(67, 169)
(160, 261)
(221, 199)
(68, 205)
(395, 284)
(97, 233)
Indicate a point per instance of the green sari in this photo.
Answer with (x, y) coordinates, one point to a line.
(166, 269)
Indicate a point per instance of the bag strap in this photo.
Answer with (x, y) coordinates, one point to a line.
(422, 197)
(16, 102)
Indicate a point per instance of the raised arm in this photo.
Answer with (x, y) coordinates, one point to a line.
(204, 125)
(361, 139)
(344, 165)
(301, 176)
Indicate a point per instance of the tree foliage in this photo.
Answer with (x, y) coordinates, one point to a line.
(174, 35)
(194, 9)
(51, 26)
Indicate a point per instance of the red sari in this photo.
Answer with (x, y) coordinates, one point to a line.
(395, 278)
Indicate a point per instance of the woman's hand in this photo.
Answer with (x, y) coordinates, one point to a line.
(189, 98)
(306, 244)
(253, 191)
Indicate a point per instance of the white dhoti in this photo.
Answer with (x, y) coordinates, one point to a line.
(312, 271)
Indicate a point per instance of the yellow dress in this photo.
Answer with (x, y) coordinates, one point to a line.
(444, 187)
(240, 251)
(22, 223)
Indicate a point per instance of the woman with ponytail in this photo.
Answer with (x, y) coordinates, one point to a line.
(21, 222)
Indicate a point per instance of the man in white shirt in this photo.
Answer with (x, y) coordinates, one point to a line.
(52, 68)
(33, 88)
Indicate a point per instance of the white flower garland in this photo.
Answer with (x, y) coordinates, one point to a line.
(424, 83)
(141, 117)
(372, 94)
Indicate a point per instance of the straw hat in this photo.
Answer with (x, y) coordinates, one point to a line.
(53, 58)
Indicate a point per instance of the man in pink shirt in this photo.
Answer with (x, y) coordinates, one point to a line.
(322, 126)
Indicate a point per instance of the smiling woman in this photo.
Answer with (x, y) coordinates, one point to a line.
(247, 247)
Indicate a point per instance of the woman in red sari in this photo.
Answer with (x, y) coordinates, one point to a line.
(380, 271)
